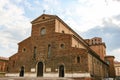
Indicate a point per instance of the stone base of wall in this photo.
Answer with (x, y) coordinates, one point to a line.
(2, 74)
(12, 74)
(71, 75)
(74, 76)
(85, 78)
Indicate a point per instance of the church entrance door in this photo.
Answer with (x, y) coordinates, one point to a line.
(22, 72)
(40, 69)
(61, 71)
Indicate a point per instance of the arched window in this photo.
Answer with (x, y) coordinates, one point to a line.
(49, 50)
(43, 31)
(78, 59)
(34, 52)
(13, 63)
(63, 31)
(7, 69)
(62, 46)
(107, 62)
(24, 49)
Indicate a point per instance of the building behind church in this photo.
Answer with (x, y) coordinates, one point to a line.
(55, 50)
(117, 69)
(3, 65)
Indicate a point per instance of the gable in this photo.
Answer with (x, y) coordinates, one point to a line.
(43, 17)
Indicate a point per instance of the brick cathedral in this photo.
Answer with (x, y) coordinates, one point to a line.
(55, 50)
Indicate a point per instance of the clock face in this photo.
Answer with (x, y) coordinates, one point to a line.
(43, 31)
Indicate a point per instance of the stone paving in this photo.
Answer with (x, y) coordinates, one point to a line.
(33, 78)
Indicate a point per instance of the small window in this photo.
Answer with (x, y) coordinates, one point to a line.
(35, 51)
(13, 63)
(23, 50)
(62, 46)
(43, 17)
(0, 68)
(7, 69)
(78, 59)
(63, 31)
(107, 62)
(43, 31)
(49, 50)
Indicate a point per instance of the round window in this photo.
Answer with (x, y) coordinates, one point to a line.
(43, 31)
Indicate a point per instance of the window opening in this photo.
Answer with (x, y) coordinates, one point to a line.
(35, 51)
(78, 59)
(62, 46)
(49, 50)
(43, 31)
(63, 31)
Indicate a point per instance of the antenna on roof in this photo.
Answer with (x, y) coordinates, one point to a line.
(44, 11)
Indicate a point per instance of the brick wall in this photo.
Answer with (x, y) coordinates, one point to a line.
(110, 61)
(35, 49)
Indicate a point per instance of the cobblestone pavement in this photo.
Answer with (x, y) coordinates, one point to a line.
(33, 78)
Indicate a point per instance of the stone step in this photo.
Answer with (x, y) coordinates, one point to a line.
(33, 78)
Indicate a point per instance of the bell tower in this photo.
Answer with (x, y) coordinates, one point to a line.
(98, 46)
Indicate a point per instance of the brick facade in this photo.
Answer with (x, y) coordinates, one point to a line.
(3, 64)
(117, 69)
(55, 49)
(111, 69)
(98, 46)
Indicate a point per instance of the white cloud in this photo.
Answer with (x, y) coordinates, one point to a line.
(13, 27)
(109, 32)
(71, 23)
(55, 2)
(28, 4)
(8, 45)
(116, 53)
(50, 4)
(90, 13)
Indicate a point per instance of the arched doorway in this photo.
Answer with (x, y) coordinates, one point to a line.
(21, 72)
(61, 71)
(40, 69)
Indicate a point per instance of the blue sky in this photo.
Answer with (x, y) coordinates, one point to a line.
(89, 18)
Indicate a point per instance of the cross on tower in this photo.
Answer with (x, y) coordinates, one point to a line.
(43, 11)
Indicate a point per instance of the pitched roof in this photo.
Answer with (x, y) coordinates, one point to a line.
(4, 58)
(42, 16)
